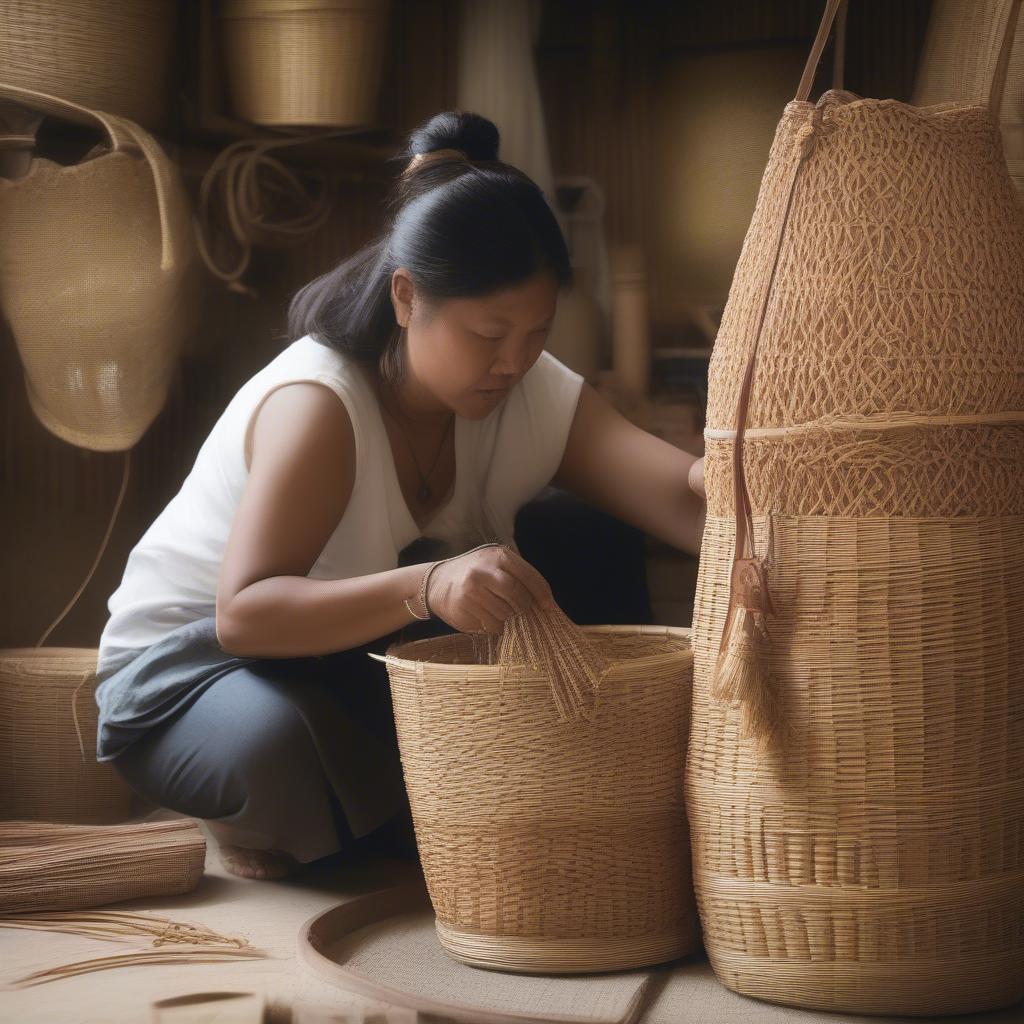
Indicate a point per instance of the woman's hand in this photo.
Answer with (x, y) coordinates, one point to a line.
(696, 478)
(477, 591)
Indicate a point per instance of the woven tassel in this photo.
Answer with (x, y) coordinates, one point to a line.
(738, 674)
(742, 672)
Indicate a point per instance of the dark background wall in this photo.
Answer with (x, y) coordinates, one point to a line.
(622, 82)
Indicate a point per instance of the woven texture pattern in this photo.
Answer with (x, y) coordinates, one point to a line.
(551, 845)
(113, 55)
(882, 854)
(899, 281)
(956, 63)
(43, 774)
(305, 64)
(872, 859)
(97, 263)
(939, 471)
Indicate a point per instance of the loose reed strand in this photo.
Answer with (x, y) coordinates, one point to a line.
(100, 924)
(549, 640)
(200, 955)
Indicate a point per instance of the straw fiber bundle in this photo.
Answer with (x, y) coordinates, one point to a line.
(97, 260)
(48, 767)
(47, 867)
(551, 827)
(113, 55)
(305, 62)
(855, 777)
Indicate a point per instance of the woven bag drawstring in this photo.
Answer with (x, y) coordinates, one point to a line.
(741, 672)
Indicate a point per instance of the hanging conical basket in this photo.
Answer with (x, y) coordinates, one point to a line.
(855, 782)
(548, 844)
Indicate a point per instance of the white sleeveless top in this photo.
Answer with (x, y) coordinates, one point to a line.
(501, 462)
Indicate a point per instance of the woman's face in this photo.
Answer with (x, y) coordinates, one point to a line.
(466, 353)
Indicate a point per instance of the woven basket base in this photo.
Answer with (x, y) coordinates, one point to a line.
(910, 988)
(533, 955)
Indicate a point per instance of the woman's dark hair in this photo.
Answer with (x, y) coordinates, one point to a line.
(460, 228)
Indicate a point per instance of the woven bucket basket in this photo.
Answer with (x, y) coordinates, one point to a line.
(97, 260)
(114, 55)
(855, 782)
(48, 766)
(550, 846)
(305, 62)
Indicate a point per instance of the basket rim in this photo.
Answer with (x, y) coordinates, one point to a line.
(681, 632)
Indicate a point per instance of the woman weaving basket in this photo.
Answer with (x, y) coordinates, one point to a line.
(416, 400)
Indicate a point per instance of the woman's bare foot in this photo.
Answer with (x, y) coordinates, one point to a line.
(263, 864)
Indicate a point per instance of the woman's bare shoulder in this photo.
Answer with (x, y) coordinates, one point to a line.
(301, 413)
(300, 481)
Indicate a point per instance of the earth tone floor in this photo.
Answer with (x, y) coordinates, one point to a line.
(270, 914)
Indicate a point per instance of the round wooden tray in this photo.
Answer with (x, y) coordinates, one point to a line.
(384, 945)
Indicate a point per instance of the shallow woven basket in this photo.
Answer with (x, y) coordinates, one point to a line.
(97, 263)
(43, 776)
(869, 858)
(550, 845)
(305, 62)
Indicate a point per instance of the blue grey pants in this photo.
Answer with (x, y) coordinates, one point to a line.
(293, 754)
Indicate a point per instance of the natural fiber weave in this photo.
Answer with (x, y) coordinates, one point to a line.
(317, 62)
(550, 845)
(942, 471)
(956, 63)
(97, 263)
(880, 851)
(567, 656)
(114, 55)
(47, 867)
(48, 717)
(857, 810)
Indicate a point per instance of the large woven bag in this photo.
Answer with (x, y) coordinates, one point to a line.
(550, 844)
(96, 264)
(855, 781)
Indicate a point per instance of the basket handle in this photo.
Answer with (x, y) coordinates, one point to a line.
(124, 136)
(1006, 27)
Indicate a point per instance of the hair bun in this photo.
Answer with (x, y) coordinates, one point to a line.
(474, 134)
